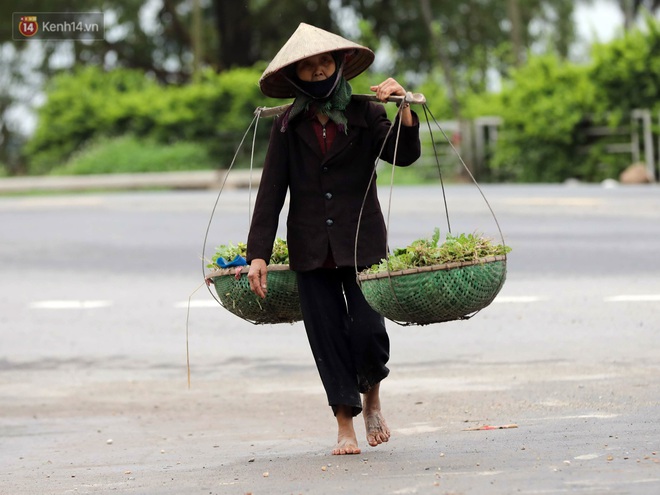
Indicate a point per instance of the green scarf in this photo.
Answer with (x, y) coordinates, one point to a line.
(333, 107)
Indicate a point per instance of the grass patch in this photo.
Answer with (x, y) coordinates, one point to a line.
(128, 154)
(403, 176)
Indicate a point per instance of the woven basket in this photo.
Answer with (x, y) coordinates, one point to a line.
(434, 294)
(281, 304)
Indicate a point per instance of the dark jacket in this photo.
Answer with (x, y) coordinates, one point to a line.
(326, 192)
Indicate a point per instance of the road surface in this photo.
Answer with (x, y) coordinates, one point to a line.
(93, 379)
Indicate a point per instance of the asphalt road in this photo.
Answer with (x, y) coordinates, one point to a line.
(93, 380)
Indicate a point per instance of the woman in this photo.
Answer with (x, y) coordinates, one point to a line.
(322, 151)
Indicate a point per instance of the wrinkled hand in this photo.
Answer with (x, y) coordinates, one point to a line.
(257, 276)
(388, 88)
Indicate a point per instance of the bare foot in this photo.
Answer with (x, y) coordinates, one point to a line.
(377, 430)
(346, 438)
(346, 446)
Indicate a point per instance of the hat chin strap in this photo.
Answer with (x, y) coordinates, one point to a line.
(318, 90)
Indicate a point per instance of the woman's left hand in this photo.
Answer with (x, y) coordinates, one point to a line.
(388, 88)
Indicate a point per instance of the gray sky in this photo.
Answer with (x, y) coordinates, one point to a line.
(600, 21)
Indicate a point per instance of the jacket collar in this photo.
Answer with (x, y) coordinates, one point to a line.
(355, 119)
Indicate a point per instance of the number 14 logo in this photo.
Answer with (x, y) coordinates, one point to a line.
(28, 26)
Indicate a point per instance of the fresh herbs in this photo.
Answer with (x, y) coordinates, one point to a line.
(422, 252)
(280, 255)
(427, 252)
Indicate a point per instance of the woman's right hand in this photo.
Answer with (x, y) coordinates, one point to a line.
(257, 276)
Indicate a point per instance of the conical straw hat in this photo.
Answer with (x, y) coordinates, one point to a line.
(305, 42)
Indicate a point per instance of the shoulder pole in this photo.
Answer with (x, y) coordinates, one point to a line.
(412, 98)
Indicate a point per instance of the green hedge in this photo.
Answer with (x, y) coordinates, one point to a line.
(626, 71)
(547, 104)
(541, 110)
(91, 103)
(545, 107)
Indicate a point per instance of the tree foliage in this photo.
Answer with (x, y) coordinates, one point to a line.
(90, 103)
(631, 9)
(542, 106)
(546, 105)
(476, 35)
(160, 38)
(627, 71)
(141, 80)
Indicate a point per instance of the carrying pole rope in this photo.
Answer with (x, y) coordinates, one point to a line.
(409, 98)
(217, 199)
(427, 112)
(206, 235)
(389, 210)
(257, 115)
(437, 163)
(467, 169)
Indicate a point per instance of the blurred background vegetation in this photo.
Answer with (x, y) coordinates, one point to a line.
(173, 86)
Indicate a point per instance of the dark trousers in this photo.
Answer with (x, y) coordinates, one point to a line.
(347, 337)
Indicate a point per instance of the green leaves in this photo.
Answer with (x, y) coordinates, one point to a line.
(128, 154)
(90, 104)
(427, 252)
(280, 254)
(548, 104)
(229, 251)
(627, 70)
(421, 252)
(543, 106)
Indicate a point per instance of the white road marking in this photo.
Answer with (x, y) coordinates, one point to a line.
(619, 298)
(581, 416)
(516, 299)
(634, 298)
(574, 201)
(470, 473)
(592, 484)
(197, 304)
(94, 304)
(70, 304)
(53, 202)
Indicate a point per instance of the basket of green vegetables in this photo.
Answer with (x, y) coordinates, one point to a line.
(231, 284)
(428, 282)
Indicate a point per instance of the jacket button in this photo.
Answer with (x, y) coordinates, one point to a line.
(328, 195)
(329, 222)
(325, 169)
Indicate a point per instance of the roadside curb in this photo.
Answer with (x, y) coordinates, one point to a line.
(199, 179)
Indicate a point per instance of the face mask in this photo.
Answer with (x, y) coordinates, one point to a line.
(319, 89)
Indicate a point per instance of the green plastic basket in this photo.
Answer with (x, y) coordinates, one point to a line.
(281, 305)
(435, 294)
